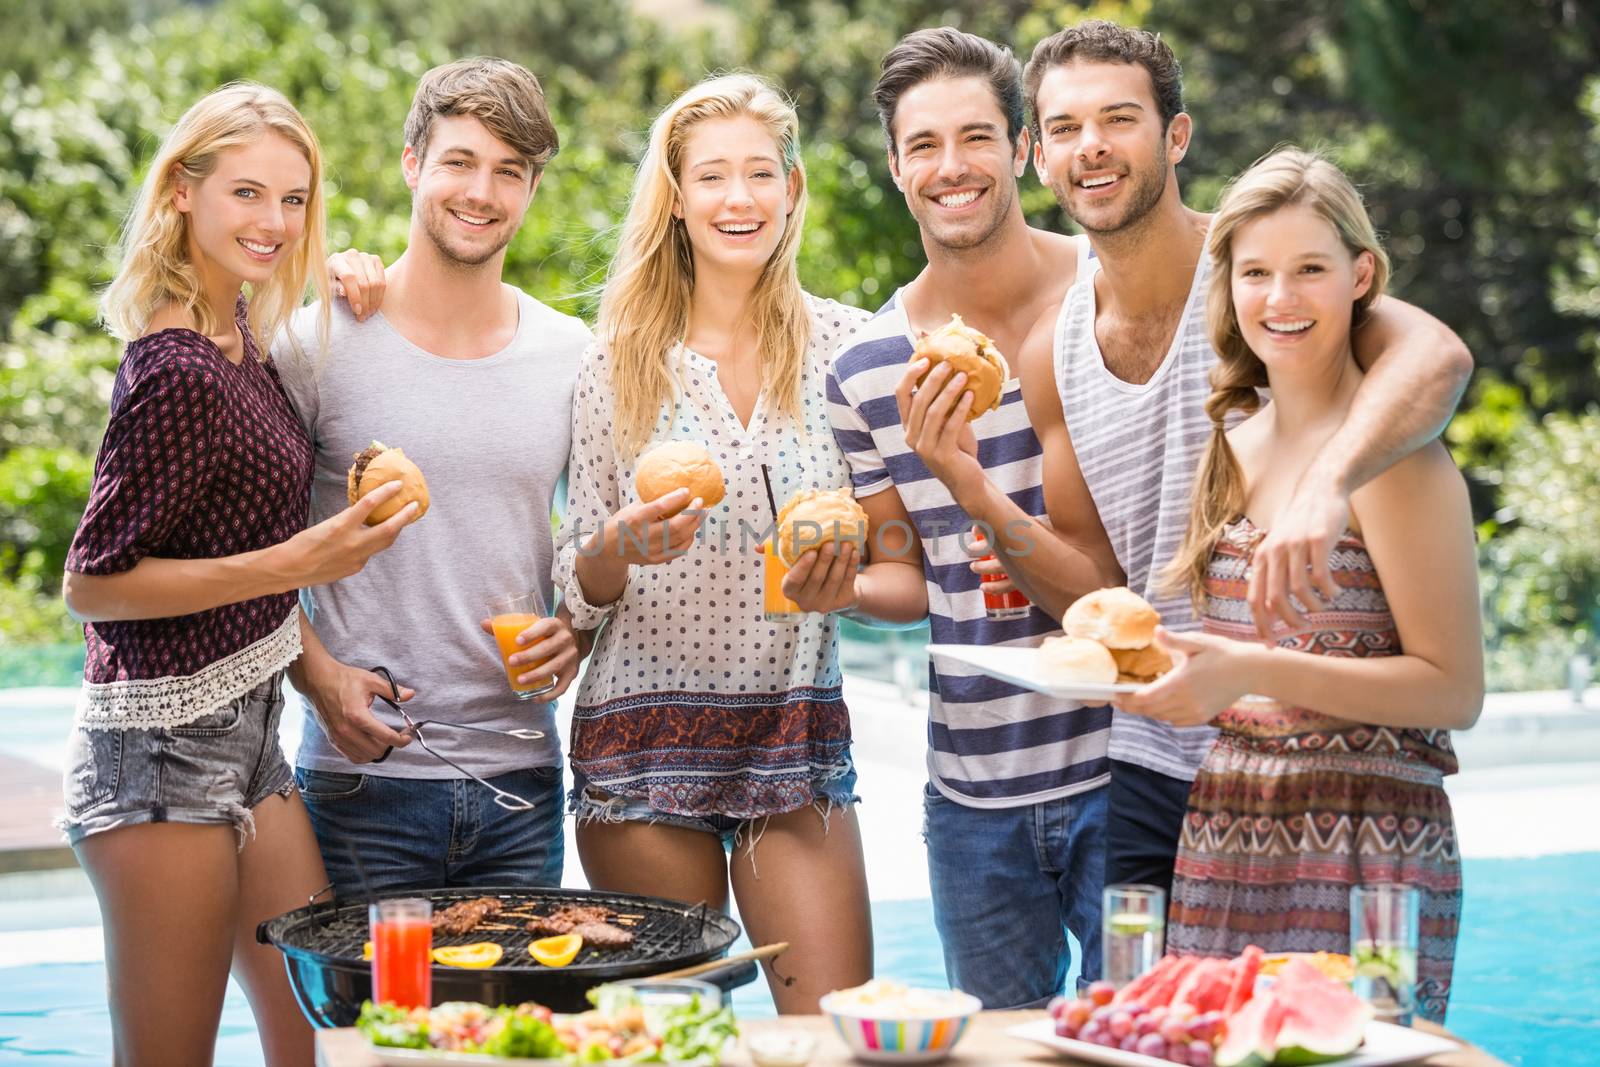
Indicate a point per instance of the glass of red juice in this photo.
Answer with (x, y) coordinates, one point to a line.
(1008, 605)
(402, 952)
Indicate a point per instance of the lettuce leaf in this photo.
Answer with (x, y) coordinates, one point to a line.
(694, 1033)
(392, 1027)
(526, 1037)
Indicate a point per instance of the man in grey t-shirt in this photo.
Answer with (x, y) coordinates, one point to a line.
(473, 379)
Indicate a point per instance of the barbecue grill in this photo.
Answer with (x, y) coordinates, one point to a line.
(322, 945)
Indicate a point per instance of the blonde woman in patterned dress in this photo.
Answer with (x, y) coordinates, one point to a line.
(1336, 779)
(700, 729)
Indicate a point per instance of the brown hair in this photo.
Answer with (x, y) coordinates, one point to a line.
(503, 96)
(946, 52)
(1100, 41)
(1284, 177)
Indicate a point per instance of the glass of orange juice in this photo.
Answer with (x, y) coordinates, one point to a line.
(775, 607)
(510, 615)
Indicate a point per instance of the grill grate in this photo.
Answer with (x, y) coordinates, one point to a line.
(663, 931)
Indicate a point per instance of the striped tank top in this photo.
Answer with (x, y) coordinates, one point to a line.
(1139, 447)
(990, 744)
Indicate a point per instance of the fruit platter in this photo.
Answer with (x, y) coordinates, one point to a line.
(1215, 1013)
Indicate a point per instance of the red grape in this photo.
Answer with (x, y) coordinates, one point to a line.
(1151, 1045)
(1204, 1027)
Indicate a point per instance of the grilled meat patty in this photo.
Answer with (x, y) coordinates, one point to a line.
(603, 935)
(463, 916)
(566, 918)
(364, 457)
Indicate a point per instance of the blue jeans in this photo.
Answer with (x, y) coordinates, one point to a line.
(426, 833)
(1007, 884)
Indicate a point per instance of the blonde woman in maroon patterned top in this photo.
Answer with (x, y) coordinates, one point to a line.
(180, 805)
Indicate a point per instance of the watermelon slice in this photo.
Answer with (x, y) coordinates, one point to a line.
(1161, 992)
(1136, 989)
(1252, 1034)
(1245, 969)
(1322, 1020)
(1207, 986)
(1304, 1018)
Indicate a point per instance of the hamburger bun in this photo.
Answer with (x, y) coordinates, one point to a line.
(1141, 664)
(1077, 660)
(1117, 618)
(966, 350)
(378, 464)
(813, 517)
(680, 465)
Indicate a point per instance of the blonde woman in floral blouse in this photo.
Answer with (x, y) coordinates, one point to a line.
(708, 744)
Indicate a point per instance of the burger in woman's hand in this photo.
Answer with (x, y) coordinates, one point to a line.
(378, 465)
(679, 465)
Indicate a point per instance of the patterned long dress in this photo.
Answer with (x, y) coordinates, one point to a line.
(1291, 807)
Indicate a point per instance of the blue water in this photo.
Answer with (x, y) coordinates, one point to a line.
(1527, 975)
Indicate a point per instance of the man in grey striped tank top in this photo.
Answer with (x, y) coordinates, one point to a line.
(1117, 376)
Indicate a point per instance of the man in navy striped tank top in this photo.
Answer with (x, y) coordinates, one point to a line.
(1015, 804)
(1116, 378)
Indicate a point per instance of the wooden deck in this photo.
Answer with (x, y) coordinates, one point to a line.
(30, 800)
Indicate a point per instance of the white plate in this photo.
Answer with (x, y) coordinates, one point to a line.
(412, 1057)
(1022, 667)
(1385, 1044)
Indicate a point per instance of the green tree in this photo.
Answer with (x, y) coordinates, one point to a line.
(1472, 125)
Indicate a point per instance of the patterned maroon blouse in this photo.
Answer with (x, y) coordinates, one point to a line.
(202, 459)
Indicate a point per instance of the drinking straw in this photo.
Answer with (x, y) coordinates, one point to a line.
(772, 502)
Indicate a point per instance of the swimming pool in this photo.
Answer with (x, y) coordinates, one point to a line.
(1527, 976)
(1527, 980)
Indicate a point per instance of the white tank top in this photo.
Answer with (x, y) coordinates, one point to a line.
(1139, 447)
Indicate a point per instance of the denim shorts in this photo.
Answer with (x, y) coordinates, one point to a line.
(211, 771)
(589, 802)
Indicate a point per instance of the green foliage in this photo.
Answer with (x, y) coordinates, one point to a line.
(1541, 577)
(1473, 126)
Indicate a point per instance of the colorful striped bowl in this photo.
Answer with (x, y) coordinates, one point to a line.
(890, 1040)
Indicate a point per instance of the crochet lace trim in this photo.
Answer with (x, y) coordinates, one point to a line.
(151, 703)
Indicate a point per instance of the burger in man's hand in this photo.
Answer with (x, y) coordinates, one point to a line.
(970, 352)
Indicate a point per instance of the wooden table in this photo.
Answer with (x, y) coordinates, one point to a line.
(985, 1043)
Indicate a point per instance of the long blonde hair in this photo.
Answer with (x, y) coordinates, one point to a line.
(1284, 177)
(155, 265)
(644, 309)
